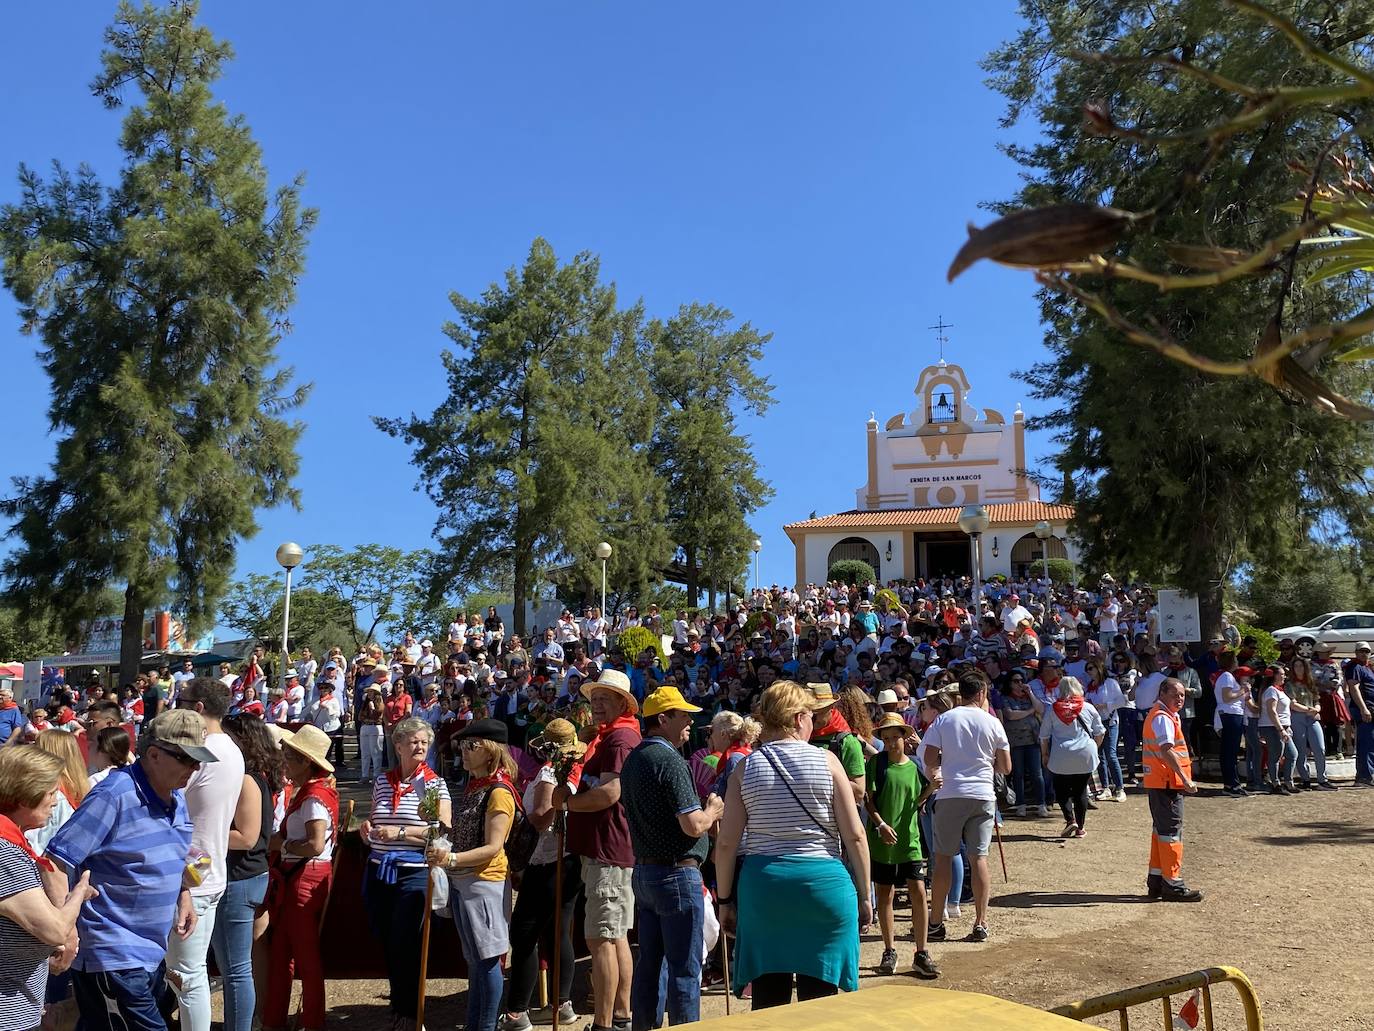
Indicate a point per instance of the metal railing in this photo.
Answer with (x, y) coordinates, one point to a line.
(1163, 991)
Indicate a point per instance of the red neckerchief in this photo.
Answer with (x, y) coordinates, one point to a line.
(1067, 709)
(624, 721)
(399, 788)
(835, 723)
(9, 831)
(323, 791)
(736, 748)
(5, 706)
(498, 777)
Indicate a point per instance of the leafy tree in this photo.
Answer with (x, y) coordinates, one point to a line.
(376, 585)
(159, 303)
(853, 571)
(702, 372)
(1319, 579)
(539, 450)
(253, 606)
(1179, 475)
(29, 635)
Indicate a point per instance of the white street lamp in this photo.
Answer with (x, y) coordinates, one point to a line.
(973, 520)
(757, 546)
(603, 552)
(289, 556)
(1044, 531)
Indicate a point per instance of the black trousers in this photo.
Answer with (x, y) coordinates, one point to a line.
(770, 990)
(1071, 789)
(533, 921)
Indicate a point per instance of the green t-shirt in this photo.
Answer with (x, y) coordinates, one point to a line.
(902, 786)
(851, 753)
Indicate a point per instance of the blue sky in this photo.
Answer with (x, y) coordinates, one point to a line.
(810, 166)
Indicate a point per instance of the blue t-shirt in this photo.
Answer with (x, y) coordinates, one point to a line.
(135, 848)
(11, 720)
(1363, 679)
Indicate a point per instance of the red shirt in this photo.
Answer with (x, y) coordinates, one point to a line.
(604, 835)
(397, 708)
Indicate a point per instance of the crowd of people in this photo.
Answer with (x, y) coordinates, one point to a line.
(752, 786)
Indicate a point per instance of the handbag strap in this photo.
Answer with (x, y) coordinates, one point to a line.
(787, 784)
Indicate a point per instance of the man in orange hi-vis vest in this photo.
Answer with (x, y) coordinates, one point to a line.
(1168, 778)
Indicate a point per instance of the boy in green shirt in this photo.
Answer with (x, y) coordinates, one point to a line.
(896, 791)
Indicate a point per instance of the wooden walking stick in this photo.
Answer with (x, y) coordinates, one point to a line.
(997, 829)
(429, 809)
(725, 965)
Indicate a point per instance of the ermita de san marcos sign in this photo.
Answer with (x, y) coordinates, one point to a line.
(948, 478)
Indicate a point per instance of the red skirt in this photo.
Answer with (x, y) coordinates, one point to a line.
(1333, 707)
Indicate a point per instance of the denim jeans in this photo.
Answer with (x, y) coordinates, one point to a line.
(484, 994)
(120, 1000)
(1131, 721)
(1364, 749)
(1283, 755)
(1232, 730)
(1108, 765)
(1307, 733)
(1254, 764)
(1027, 779)
(670, 915)
(232, 940)
(186, 958)
(396, 912)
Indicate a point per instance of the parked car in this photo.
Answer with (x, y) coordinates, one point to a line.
(1341, 629)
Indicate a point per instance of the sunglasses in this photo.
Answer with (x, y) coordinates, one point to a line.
(185, 760)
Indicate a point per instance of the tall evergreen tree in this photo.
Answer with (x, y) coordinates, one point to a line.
(1179, 476)
(703, 374)
(159, 303)
(539, 451)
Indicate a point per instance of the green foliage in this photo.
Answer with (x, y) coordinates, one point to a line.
(1178, 475)
(702, 374)
(886, 597)
(29, 635)
(1061, 570)
(1265, 645)
(852, 571)
(159, 303)
(319, 621)
(1320, 578)
(539, 451)
(759, 622)
(634, 639)
(384, 590)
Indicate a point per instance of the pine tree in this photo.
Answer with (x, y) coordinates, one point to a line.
(1178, 476)
(703, 374)
(539, 451)
(159, 303)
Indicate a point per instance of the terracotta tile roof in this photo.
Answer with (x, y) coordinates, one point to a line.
(1014, 514)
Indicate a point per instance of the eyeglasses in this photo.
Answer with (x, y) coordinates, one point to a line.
(472, 744)
(185, 760)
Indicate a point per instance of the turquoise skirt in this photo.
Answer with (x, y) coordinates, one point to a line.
(797, 915)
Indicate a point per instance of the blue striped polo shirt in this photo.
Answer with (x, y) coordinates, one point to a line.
(135, 848)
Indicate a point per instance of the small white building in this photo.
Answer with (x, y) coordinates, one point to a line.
(924, 467)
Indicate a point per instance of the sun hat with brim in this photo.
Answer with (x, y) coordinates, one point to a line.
(614, 681)
(667, 699)
(887, 696)
(278, 733)
(313, 743)
(1324, 646)
(560, 734)
(485, 730)
(1362, 646)
(894, 722)
(182, 732)
(822, 694)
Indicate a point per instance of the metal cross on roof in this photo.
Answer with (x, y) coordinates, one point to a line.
(941, 337)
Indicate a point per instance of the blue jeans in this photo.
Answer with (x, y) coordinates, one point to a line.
(1026, 774)
(232, 940)
(1131, 721)
(1283, 755)
(1364, 749)
(1232, 730)
(484, 993)
(1307, 733)
(670, 915)
(1109, 767)
(186, 958)
(1254, 765)
(121, 1000)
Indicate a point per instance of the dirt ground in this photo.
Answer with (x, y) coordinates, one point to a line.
(1288, 901)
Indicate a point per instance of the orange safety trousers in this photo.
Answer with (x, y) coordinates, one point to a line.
(1166, 837)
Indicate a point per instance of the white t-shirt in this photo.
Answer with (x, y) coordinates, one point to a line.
(1147, 691)
(310, 809)
(1226, 682)
(547, 849)
(212, 795)
(1284, 708)
(1163, 726)
(968, 739)
(1012, 616)
(1107, 614)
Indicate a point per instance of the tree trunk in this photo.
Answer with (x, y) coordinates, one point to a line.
(520, 585)
(711, 597)
(131, 635)
(693, 592)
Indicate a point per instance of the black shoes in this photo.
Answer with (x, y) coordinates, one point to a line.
(936, 932)
(1179, 893)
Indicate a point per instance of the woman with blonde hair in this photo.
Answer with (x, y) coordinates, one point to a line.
(72, 787)
(730, 739)
(799, 911)
(1070, 735)
(477, 866)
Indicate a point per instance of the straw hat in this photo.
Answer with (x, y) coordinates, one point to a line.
(560, 734)
(823, 692)
(313, 743)
(894, 722)
(615, 681)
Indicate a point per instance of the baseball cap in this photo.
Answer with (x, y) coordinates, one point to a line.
(182, 732)
(667, 699)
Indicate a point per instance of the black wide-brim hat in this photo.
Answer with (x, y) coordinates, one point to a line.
(486, 730)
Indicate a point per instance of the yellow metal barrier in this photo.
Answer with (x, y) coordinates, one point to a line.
(1120, 1002)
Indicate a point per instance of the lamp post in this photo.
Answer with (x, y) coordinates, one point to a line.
(289, 556)
(973, 520)
(757, 546)
(603, 552)
(1044, 531)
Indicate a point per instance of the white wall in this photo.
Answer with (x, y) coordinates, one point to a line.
(818, 547)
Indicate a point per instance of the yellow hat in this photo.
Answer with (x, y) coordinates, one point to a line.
(668, 699)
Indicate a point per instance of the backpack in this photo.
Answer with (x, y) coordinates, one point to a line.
(880, 764)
